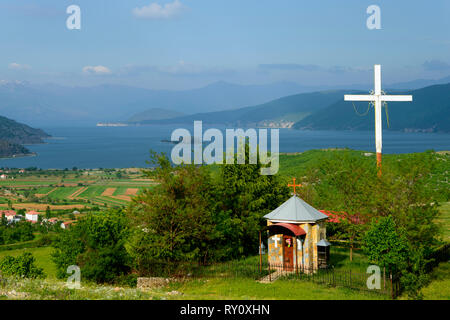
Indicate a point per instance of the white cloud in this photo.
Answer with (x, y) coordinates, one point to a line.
(18, 66)
(156, 11)
(99, 70)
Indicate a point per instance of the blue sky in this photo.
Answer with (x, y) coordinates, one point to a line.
(182, 44)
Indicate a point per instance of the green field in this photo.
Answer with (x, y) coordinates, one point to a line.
(57, 187)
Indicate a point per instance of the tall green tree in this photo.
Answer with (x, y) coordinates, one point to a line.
(174, 221)
(245, 196)
(386, 246)
(96, 243)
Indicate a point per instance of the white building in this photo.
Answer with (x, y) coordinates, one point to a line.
(32, 216)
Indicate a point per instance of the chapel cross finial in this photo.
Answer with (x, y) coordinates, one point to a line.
(294, 185)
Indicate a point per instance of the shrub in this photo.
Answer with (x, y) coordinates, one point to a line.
(21, 266)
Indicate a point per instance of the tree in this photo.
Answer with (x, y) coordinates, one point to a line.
(48, 213)
(244, 197)
(96, 243)
(21, 266)
(386, 246)
(174, 220)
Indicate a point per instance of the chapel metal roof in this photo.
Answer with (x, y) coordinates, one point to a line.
(295, 209)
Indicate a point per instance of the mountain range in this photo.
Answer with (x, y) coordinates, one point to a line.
(429, 112)
(51, 104)
(279, 112)
(47, 105)
(327, 110)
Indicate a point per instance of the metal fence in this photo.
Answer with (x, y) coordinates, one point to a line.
(335, 278)
(270, 272)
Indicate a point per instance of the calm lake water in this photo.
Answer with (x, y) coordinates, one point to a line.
(120, 147)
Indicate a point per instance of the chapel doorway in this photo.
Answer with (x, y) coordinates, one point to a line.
(288, 253)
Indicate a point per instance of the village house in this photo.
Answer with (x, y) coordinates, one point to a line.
(32, 216)
(66, 224)
(53, 220)
(9, 214)
(3, 177)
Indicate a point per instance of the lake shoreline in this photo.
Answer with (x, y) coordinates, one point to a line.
(111, 147)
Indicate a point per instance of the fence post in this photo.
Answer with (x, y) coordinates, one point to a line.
(350, 280)
(270, 274)
(392, 287)
(334, 279)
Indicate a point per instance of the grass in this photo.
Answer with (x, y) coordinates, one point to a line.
(340, 259)
(444, 220)
(50, 289)
(247, 289)
(439, 288)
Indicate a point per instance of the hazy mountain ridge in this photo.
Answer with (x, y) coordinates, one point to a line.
(327, 110)
(49, 104)
(283, 110)
(429, 112)
(155, 114)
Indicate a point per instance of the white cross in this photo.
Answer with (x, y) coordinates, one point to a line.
(377, 98)
(276, 239)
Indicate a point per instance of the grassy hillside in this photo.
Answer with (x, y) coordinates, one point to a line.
(429, 112)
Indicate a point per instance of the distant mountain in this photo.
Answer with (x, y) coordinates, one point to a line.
(418, 84)
(429, 112)
(53, 104)
(8, 150)
(281, 112)
(14, 134)
(155, 114)
(19, 133)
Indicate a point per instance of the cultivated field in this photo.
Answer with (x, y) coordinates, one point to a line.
(71, 189)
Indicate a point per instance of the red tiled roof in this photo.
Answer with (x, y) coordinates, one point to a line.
(33, 213)
(338, 217)
(7, 213)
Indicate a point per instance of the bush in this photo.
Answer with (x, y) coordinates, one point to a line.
(22, 266)
(96, 244)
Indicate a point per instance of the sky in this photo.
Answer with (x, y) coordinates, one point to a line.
(184, 44)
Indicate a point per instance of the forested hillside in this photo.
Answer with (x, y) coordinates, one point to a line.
(429, 112)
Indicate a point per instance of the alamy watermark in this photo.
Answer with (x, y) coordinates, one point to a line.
(73, 22)
(214, 151)
(374, 20)
(374, 280)
(74, 280)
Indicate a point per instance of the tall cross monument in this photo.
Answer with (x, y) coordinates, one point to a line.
(377, 98)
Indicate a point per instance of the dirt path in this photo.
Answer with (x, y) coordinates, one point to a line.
(77, 193)
(41, 195)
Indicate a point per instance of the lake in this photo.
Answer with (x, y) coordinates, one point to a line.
(121, 147)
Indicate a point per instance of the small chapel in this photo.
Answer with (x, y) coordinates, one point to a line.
(297, 236)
